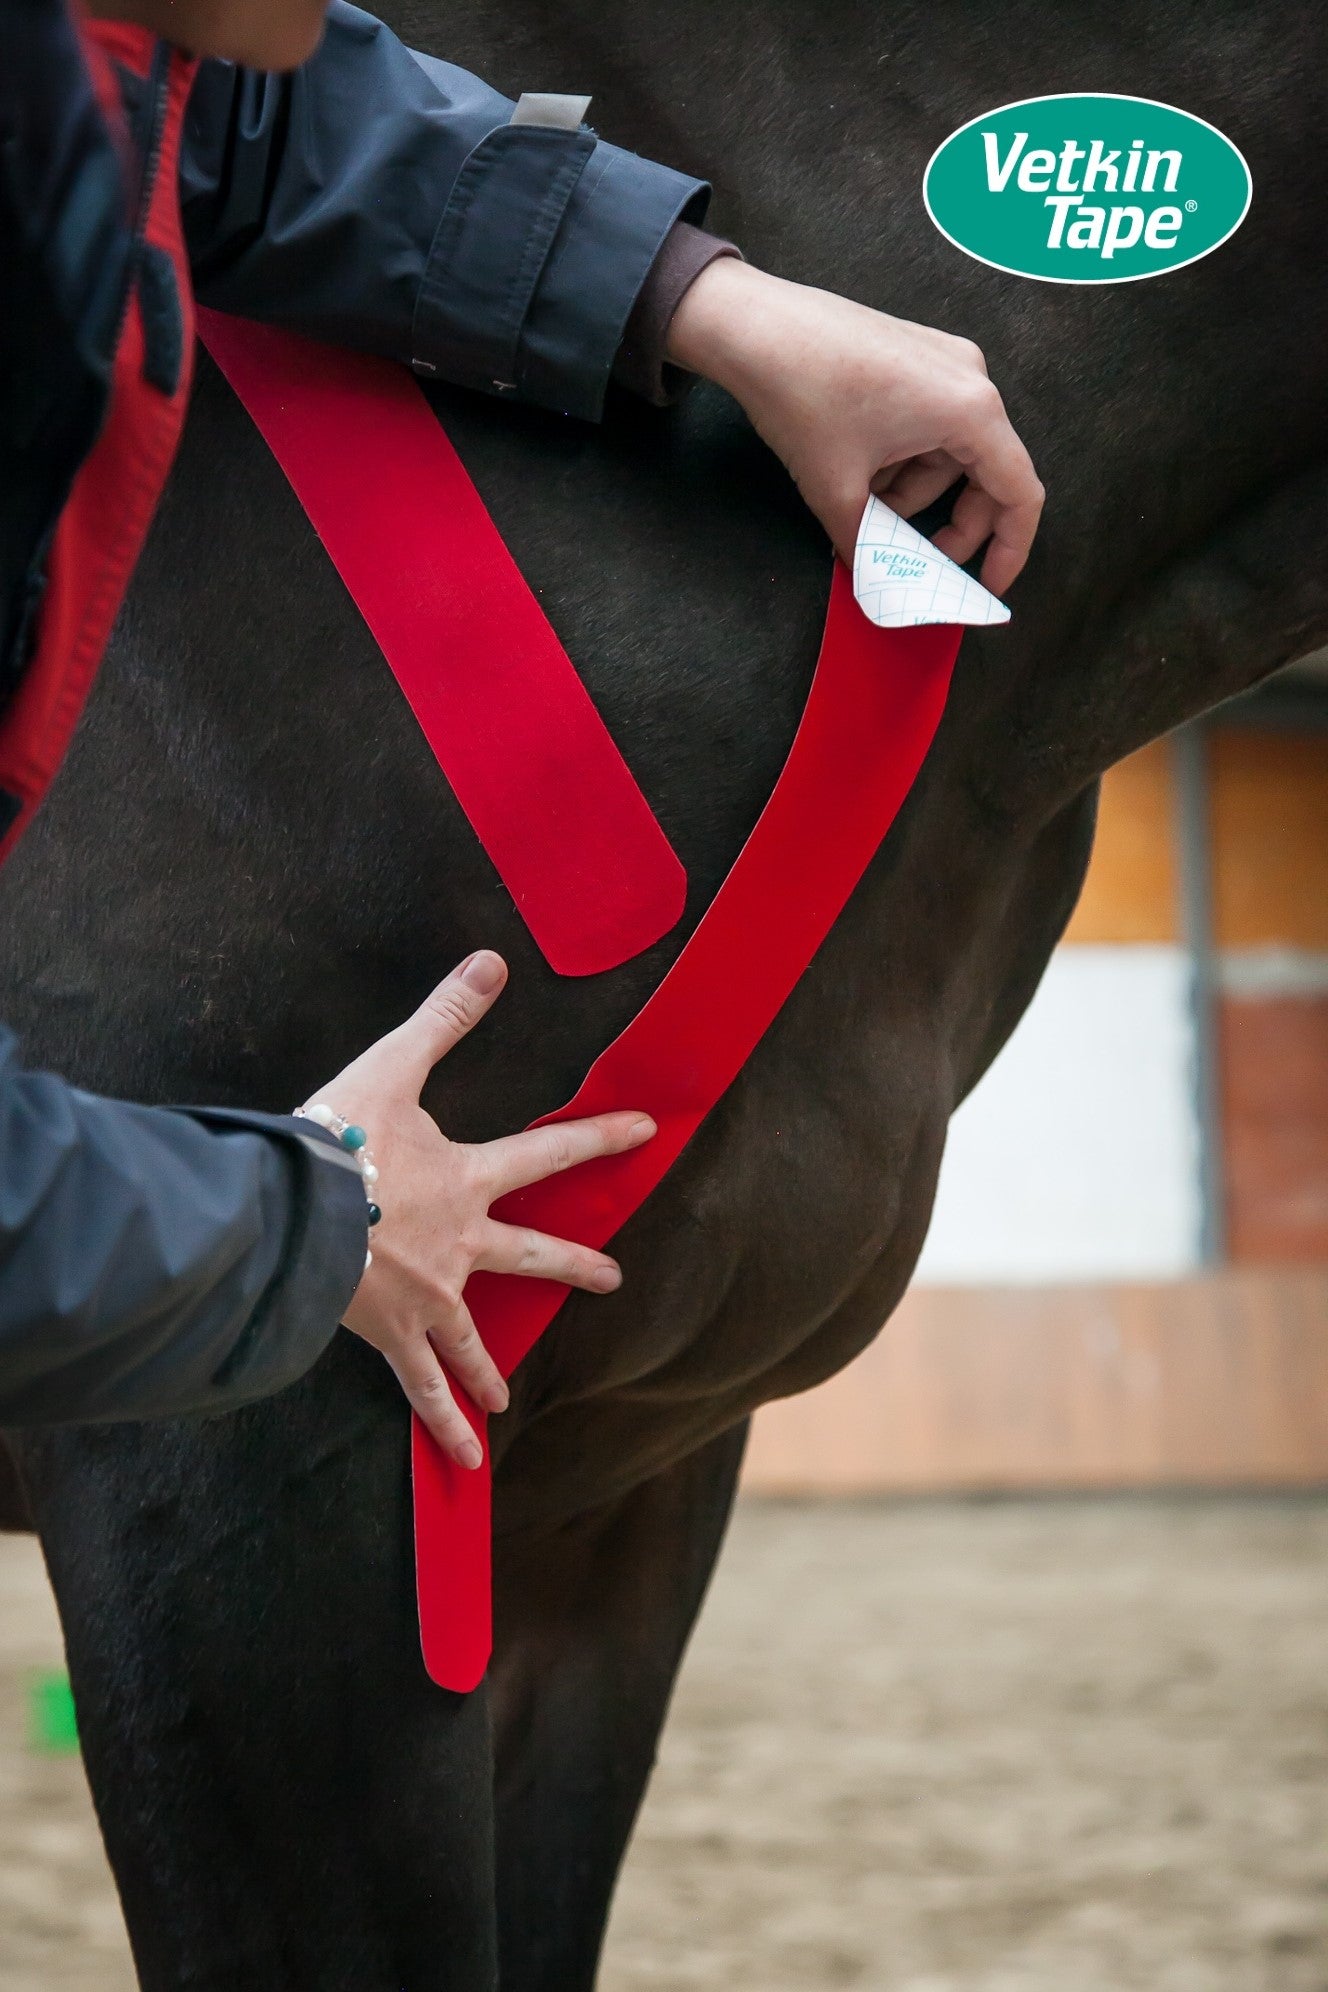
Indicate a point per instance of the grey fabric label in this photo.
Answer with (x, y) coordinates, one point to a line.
(551, 108)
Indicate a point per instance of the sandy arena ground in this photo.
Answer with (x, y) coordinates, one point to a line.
(1074, 1746)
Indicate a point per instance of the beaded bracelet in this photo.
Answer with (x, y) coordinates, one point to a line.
(353, 1140)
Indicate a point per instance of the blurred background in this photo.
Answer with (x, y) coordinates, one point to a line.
(1126, 1277)
(1014, 1677)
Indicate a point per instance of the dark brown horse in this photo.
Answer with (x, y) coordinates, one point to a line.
(251, 868)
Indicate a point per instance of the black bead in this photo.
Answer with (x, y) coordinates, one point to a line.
(374, 1214)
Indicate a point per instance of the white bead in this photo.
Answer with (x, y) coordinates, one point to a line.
(321, 1115)
(369, 1173)
(368, 1261)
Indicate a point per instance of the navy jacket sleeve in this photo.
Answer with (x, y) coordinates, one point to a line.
(155, 1261)
(380, 199)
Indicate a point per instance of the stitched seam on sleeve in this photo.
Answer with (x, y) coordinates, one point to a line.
(522, 281)
(561, 242)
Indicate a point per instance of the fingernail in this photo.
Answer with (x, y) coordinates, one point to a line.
(642, 1130)
(608, 1279)
(497, 1397)
(483, 972)
(468, 1455)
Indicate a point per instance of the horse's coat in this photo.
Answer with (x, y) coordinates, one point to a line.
(287, 1802)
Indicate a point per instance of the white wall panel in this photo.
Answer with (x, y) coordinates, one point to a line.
(1077, 1155)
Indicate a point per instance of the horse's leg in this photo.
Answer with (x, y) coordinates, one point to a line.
(289, 1804)
(15, 1514)
(591, 1623)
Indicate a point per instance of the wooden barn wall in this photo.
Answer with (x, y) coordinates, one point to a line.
(1216, 1381)
(1269, 859)
(1270, 917)
(1270, 840)
(1274, 1072)
(1131, 893)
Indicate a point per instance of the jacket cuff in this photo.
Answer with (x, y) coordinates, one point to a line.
(545, 243)
(641, 366)
(321, 1261)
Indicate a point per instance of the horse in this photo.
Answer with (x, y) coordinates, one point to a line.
(251, 867)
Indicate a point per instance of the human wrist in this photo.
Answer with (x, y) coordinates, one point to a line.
(642, 365)
(352, 1140)
(725, 323)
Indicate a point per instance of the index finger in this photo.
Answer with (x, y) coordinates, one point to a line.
(515, 1160)
(447, 1013)
(997, 461)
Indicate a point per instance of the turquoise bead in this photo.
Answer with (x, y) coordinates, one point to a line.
(353, 1138)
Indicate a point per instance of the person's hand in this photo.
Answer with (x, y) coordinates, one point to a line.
(856, 402)
(435, 1196)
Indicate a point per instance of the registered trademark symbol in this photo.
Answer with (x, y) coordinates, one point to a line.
(1190, 206)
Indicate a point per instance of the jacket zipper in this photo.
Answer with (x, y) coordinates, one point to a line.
(152, 130)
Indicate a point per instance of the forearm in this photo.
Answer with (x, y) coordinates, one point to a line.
(385, 201)
(156, 1262)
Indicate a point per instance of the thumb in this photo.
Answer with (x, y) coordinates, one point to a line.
(444, 1017)
(840, 511)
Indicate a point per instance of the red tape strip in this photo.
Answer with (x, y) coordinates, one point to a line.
(528, 757)
(873, 710)
(573, 838)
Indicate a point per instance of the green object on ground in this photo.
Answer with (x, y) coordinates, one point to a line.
(52, 1724)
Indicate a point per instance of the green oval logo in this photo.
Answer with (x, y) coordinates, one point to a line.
(1087, 189)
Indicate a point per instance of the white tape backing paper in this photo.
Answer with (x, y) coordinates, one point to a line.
(900, 579)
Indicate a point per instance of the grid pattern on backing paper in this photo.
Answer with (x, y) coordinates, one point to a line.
(917, 584)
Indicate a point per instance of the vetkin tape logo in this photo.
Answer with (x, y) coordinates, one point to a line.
(1087, 189)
